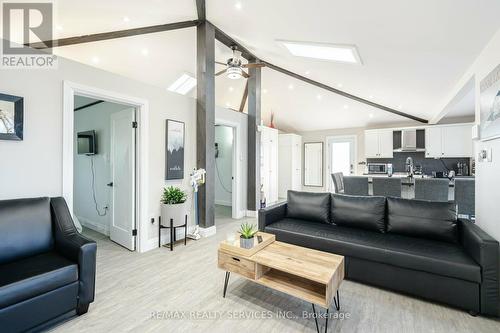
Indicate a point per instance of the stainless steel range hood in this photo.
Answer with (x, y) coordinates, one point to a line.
(409, 141)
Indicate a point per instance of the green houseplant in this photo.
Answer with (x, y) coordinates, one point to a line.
(174, 206)
(247, 232)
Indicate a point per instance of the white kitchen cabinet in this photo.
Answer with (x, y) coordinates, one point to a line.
(269, 163)
(433, 142)
(378, 144)
(289, 164)
(457, 141)
(448, 141)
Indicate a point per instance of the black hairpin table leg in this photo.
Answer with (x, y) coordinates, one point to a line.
(336, 301)
(316, 318)
(226, 281)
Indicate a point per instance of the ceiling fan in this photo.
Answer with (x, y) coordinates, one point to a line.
(234, 66)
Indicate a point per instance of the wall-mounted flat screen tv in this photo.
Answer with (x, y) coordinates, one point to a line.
(86, 142)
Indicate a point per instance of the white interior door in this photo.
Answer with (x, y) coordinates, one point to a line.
(341, 158)
(123, 177)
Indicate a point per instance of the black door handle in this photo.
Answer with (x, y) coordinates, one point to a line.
(110, 184)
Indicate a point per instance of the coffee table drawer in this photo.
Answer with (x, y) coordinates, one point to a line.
(237, 265)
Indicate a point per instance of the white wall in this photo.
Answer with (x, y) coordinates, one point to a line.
(487, 174)
(33, 167)
(224, 165)
(240, 171)
(98, 118)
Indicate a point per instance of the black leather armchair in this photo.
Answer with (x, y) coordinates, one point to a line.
(47, 269)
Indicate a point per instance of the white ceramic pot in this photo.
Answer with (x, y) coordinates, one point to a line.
(176, 212)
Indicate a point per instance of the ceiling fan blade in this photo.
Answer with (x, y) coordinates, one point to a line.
(221, 63)
(253, 65)
(244, 99)
(221, 72)
(245, 75)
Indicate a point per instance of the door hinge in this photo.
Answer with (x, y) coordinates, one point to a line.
(134, 124)
(134, 232)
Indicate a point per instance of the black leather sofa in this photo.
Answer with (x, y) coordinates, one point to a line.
(47, 269)
(415, 247)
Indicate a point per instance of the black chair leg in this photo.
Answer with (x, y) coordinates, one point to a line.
(82, 309)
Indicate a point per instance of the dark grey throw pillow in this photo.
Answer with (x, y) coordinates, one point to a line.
(359, 212)
(308, 206)
(423, 219)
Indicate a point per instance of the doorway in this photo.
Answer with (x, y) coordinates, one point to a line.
(104, 168)
(224, 171)
(341, 157)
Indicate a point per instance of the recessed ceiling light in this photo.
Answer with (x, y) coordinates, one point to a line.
(238, 5)
(346, 106)
(400, 107)
(319, 97)
(371, 115)
(59, 27)
(96, 60)
(126, 19)
(264, 91)
(290, 86)
(333, 52)
(231, 88)
(308, 72)
(340, 85)
(145, 52)
(370, 97)
(183, 85)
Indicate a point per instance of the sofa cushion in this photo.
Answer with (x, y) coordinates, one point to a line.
(425, 255)
(359, 211)
(25, 228)
(33, 276)
(424, 219)
(308, 206)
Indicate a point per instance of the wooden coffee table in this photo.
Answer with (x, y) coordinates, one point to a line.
(311, 275)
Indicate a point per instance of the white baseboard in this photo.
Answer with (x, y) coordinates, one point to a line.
(93, 225)
(207, 232)
(223, 203)
(251, 213)
(165, 238)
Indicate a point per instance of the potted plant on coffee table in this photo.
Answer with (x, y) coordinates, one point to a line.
(174, 206)
(247, 232)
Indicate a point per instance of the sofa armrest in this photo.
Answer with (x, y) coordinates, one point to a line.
(75, 247)
(271, 214)
(484, 249)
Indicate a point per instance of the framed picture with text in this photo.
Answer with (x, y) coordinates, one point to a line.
(174, 156)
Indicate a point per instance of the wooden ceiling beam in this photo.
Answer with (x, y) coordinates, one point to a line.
(343, 93)
(113, 35)
(225, 39)
(201, 9)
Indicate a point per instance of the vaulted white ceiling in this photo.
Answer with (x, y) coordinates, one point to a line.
(413, 52)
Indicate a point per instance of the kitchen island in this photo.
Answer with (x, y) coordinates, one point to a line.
(408, 183)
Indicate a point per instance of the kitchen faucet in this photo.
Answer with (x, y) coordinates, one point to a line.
(409, 166)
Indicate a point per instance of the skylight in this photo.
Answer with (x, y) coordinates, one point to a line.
(332, 52)
(183, 85)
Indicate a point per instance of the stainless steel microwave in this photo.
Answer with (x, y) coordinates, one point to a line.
(379, 168)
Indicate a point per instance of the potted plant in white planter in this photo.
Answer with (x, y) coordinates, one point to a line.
(174, 206)
(247, 232)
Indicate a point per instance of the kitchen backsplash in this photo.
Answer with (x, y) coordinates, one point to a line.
(428, 164)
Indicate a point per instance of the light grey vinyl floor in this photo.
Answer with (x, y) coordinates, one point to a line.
(181, 291)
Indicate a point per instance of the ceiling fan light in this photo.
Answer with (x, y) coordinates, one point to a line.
(234, 73)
